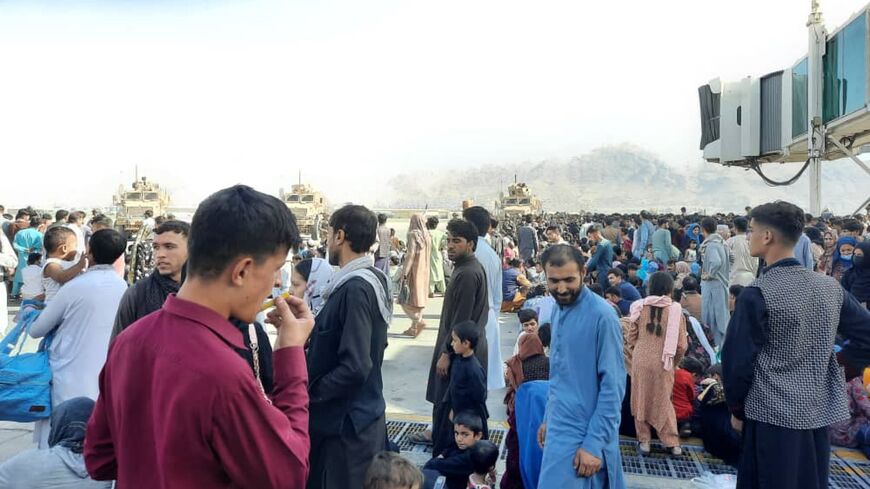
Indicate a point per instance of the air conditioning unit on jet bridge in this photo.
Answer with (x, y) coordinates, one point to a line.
(730, 121)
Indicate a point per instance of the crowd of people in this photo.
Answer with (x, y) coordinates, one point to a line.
(749, 331)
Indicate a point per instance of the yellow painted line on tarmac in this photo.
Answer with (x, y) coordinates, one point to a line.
(419, 418)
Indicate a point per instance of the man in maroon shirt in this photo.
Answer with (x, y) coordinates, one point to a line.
(178, 407)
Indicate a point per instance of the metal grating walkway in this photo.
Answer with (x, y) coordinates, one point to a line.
(847, 471)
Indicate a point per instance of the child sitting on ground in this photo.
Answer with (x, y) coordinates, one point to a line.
(391, 471)
(720, 439)
(484, 455)
(60, 244)
(455, 462)
(466, 391)
(686, 378)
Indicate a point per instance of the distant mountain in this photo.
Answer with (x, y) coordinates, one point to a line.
(628, 178)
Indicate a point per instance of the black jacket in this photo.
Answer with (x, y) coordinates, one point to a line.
(345, 355)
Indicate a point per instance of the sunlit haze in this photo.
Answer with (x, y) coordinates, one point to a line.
(204, 94)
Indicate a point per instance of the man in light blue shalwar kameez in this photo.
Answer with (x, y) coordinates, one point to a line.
(587, 382)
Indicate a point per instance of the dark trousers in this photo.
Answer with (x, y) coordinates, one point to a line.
(341, 462)
(442, 428)
(781, 458)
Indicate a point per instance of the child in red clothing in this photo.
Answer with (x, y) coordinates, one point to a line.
(685, 379)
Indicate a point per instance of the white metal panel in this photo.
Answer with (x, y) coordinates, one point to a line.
(730, 132)
(750, 135)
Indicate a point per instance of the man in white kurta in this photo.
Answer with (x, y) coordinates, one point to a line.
(491, 263)
(81, 316)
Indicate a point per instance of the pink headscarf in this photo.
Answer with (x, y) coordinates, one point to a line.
(672, 333)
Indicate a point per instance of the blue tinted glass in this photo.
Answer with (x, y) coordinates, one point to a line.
(799, 93)
(853, 66)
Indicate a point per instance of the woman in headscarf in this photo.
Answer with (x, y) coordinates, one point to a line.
(683, 270)
(62, 464)
(414, 288)
(842, 259)
(693, 233)
(657, 339)
(308, 279)
(529, 364)
(857, 279)
(829, 244)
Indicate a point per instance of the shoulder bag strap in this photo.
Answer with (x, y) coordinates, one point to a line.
(255, 353)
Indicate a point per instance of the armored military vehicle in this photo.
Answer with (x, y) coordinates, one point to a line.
(310, 209)
(133, 204)
(518, 202)
(145, 200)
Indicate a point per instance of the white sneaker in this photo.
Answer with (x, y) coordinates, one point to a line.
(644, 448)
(676, 451)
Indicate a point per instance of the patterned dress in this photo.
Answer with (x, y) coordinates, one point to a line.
(651, 384)
(844, 433)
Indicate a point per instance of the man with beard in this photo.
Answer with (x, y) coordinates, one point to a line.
(580, 433)
(466, 299)
(348, 426)
(148, 295)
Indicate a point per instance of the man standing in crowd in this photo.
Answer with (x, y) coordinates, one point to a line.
(580, 434)
(221, 429)
(75, 221)
(149, 294)
(492, 267)
(782, 382)
(602, 259)
(348, 425)
(715, 268)
(527, 239)
(616, 278)
(437, 283)
(496, 241)
(745, 267)
(661, 242)
(25, 241)
(466, 299)
(803, 252)
(80, 318)
(642, 235)
(382, 255)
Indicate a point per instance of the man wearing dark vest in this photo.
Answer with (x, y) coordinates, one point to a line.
(782, 382)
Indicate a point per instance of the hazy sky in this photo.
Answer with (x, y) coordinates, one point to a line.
(203, 94)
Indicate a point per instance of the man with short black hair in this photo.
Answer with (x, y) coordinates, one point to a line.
(602, 260)
(79, 318)
(492, 267)
(745, 266)
(222, 429)
(662, 243)
(627, 291)
(527, 239)
(466, 299)
(715, 269)
(554, 236)
(345, 355)
(75, 221)
(585, 394)
(782, 381)
(149, 294)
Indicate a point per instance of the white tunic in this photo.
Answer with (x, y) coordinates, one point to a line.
(491, 263)
(84, 311)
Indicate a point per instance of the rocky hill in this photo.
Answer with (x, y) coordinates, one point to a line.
(628, 178)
